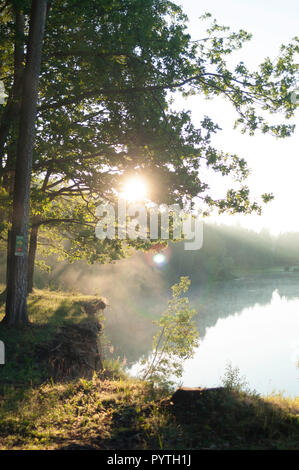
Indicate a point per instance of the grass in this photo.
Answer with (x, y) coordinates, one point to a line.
(112, 411)
(48, 311)
(126, 414)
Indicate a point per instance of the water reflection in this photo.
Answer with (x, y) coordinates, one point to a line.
(253, 324)
(261, 340)
(225, 298)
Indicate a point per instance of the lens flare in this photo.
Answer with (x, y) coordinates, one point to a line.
(158, 256)
(159, 259)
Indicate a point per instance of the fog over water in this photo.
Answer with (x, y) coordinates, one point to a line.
(251, 322)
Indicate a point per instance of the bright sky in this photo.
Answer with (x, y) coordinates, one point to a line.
(274, 163)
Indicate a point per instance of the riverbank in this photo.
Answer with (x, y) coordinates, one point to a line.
(110, 411)
(106, 414)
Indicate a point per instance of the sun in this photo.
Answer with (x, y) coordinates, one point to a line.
(134, 190)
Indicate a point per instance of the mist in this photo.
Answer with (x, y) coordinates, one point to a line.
(137, 289)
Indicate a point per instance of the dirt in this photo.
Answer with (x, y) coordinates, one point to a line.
(75, 349)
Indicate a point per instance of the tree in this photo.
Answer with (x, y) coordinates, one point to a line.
(175, 341)
(108, 73)
(16, 308)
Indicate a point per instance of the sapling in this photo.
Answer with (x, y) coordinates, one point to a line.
(175, 341)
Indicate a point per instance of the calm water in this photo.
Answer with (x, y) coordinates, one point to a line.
(252, 324)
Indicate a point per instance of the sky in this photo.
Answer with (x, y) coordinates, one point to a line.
(274, 163)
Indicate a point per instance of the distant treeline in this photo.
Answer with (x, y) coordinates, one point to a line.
(229, 252)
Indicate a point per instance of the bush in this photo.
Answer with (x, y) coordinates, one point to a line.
(232, 380)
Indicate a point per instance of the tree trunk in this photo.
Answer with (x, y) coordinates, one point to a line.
(12, 109)
(16, 301)
(31, 256)
(7, 173)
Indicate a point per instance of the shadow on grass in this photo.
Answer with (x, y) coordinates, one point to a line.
(223, 418)
(23, 365)
(216, 419)
(123, 415)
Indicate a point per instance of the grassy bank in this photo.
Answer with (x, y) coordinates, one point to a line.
(123, 414)
(49, 313)
(111, 411)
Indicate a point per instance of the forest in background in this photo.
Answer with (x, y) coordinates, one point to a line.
(227, 252)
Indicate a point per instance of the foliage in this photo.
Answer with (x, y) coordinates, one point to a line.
(232, 380)
(175, 341)
(109, 71)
